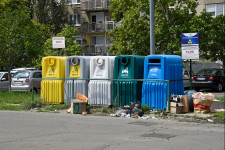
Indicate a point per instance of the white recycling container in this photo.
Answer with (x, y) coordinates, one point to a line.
(77, 67)
(100, 91)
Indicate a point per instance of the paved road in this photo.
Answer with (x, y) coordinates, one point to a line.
(60, 131)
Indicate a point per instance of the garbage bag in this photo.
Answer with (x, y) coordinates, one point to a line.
(190, 98)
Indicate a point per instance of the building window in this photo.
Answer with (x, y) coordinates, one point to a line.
(73, 1)
(75, 19)
(78, 39)
(215, 9)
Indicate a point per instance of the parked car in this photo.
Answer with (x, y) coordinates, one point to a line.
(13, 71)
(22, 80)
(209, 78)
(4, 81)
(197, 66)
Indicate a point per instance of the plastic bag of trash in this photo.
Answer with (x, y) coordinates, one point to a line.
(120, 112)
(129, 111)
(82, 97)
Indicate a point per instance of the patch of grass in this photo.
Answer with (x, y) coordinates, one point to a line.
(15, 97)
(145, 108)
(9, 100)
(10, 107)
(222, 99)
(220, 115)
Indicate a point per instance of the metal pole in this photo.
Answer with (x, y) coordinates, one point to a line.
(152, 34)
(32, 90)
(190, 75)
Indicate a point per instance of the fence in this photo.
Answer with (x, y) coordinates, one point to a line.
(116, 81)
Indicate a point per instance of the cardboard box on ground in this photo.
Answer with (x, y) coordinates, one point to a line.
(180, 107)
(78, 106)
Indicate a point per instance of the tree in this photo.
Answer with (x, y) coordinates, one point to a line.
(21, 38)
(133, 34)
(172, 17)
(72, 48)
(52, 12)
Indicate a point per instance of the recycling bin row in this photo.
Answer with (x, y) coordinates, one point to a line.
(110, 80)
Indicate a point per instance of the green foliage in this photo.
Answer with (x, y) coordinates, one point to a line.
(21, 38)
(172, 18)
(18, 101)
(222, 99)
(220, 115)
(145, 108)
(72, 48)
(51, 12)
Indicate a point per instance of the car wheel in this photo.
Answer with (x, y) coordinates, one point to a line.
(219, 87)
(35, 91)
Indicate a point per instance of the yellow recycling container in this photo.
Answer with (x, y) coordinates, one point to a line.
(52, 90)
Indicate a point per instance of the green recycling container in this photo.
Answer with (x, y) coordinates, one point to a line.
(125, 88)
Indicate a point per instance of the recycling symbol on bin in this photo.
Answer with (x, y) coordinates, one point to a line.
(76, 70)
(125, 70)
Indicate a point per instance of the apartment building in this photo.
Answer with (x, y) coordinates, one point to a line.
(215, 7)
(93, 21)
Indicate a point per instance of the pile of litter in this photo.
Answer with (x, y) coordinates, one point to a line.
(202, 96)
(130, 111)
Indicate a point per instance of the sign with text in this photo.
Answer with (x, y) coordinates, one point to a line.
(189, 39)
(58, 42)
(190, 45)
(190, 52)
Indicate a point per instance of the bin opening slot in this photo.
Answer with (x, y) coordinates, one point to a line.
(154, 61)
(124, 61)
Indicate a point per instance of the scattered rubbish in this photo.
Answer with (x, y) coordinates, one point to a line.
(154, 118)
(112, 115)
(201, 96)
(82, 97)
(145, 118)
(135, 116)
(134, 111)
(210, 120)
(175, 98)
(84, 113)
(69, 110)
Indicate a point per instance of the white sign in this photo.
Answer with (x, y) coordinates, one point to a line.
(58, 42)
(190, 52)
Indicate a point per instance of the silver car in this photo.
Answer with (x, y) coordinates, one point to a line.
(22, 80)
(4, 81)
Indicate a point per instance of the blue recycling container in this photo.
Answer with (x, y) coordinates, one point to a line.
(159, 68)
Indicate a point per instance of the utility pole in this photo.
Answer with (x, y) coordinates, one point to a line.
(152, 34)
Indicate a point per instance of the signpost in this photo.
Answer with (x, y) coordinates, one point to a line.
(190, 47)
(58, 42)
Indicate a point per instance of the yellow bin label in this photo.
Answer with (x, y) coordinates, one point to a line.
(75, 71)
(51, 73)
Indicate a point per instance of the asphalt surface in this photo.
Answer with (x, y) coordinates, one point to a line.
(61, 131)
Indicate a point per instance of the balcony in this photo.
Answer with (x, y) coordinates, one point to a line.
(94, 5)
(102, 26)
(93, 50)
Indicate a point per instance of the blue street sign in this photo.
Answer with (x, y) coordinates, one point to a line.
(190, 39)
